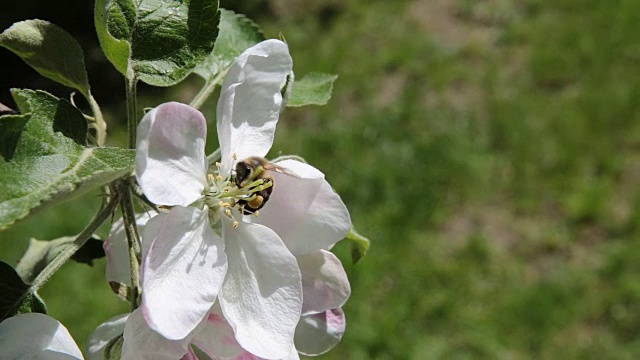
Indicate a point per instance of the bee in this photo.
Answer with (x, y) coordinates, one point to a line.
(250, 170)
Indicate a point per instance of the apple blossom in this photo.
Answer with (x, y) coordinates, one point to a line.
(205, 248)
(325, 286)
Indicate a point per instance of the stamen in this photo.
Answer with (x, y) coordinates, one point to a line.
(210, 177)
(256, 213)
(235, 224)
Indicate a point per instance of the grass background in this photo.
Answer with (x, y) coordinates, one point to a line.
(490, 150)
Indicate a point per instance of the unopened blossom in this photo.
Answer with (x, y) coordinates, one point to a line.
(36, 336)
(206, 248)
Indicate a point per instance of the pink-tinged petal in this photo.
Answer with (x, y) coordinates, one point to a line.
(318, 333)
(190, 355)
(262, 294)
(117, 249)
(216, 339)
(170, 159)
(143, 343)
(304, 210)
(183, 270)
(324, 282)
(250, 101)
(36, 336)
(103, 334)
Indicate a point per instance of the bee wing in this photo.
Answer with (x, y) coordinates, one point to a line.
(280, 169)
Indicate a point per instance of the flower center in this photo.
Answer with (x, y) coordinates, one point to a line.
(245, 190)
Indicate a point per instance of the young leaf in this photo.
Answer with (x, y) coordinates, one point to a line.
(41, 252)
(16, 296)
(313, 89)
(50, 164)
(237, 33)
(50, 50)
(359, 245)
(157, 41)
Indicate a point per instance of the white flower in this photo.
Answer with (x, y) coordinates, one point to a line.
(196, 254)
(321, 327)
(36, 336)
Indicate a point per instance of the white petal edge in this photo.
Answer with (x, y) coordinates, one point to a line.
(318, 333)
(103, 334)
(183, 270)
(143, 343)
(304, 210)
(262, 294)
(36, 336)
(116, 249)
(170, 159)
(250, 101)
(216, 339)
(324, 282)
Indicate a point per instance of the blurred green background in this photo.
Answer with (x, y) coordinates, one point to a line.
(490, 150)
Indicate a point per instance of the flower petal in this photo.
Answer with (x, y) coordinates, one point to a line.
(103, 334)
(36, 336)
(184, 268)
(262, 294)
(304, 210)
(142, 343)
(216, 338)
(170, 159)
(116, 249)
(318, 333)
(324, 282)
(250, 101)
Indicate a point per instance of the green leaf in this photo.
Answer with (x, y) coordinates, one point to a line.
(49, 167)
(50, 50)
(10, 129)
(42, 252)
(313, 89)
(237, 33)
(157, 41)
(359, 245)
(16, 296)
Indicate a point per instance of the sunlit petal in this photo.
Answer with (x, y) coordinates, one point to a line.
(143, 343)
(36, 336)
(262, 294)
(304, 210)
(170, 159)
(183, 270)
(250, 101)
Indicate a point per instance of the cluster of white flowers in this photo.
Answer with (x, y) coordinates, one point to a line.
(234, 283)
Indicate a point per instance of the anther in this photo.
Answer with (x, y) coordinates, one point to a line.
(210, 177)
(235, 224)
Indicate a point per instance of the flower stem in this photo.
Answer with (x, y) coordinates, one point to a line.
(207, 89)
(133, 239)
(132, 111)
(101, 125)
(65, 254)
